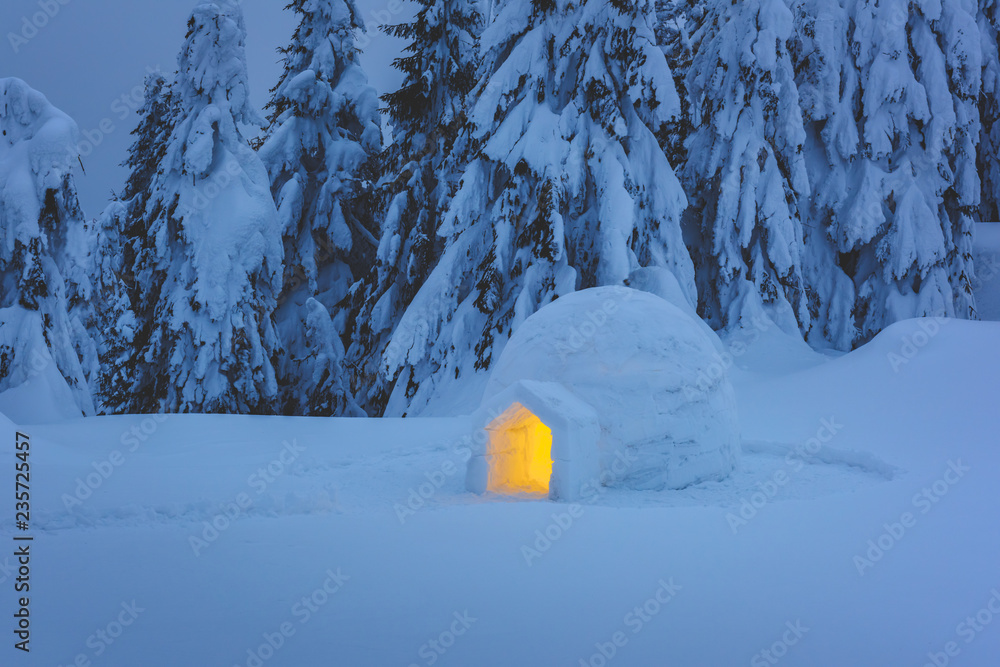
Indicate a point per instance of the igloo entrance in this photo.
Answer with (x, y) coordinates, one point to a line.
(519, 453)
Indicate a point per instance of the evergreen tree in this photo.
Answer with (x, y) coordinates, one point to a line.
(423, 163)
(207, 268)
(677, 32)
(828, 85)
(320, 150)
(954, 39)
(989, 108)
(890, 92)
(71, 243)
(122, 238)
(42, 333)
(114, 317)
(570, 188)
(745, 168)
(323, 391)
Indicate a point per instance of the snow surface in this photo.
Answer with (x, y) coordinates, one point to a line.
(349, 504)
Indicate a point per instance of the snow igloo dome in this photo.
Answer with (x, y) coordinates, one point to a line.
(605, 387)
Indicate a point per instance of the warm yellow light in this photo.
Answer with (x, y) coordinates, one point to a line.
(519, 453)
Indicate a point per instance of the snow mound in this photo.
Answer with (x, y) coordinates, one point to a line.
(652, 374)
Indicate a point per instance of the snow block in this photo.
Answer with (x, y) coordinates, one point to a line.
(633, 389)
(575, 432)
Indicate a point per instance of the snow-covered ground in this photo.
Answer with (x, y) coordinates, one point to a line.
(862, 530)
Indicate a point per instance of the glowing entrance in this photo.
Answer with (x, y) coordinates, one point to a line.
(519, 453)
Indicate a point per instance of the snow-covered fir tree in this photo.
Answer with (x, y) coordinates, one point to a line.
(428, 114)
(320, 150)
(71, 242)
(890, 93)
(678, 28)
(953, 38)
(989, 108)
(114, 317)
(122, 236)
(570, 188)
(324, 392)
(207, 269)
(42, 232)
(745, 171)
(828, 84)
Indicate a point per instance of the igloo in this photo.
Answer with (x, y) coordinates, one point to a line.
(605, 387)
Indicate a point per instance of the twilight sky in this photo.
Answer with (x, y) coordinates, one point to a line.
(90, 60)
